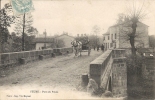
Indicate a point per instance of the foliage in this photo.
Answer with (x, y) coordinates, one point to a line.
(120, 18)
(134, 14)
(96, 30)
(6, 19)
(58, 43)
(152, 41)
(17, 45)
(4, 33)
(92, 39)
(32, 31)
(24, 23)
(83, 39)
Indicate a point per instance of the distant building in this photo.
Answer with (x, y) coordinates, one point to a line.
(63, 40)
(67, 39)
(116, 36)
(41, 42)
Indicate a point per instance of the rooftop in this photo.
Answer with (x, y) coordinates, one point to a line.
(127, 22)
(107, 33)
(43, 40)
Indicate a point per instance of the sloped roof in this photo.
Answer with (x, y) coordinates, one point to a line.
(127, 22)
(63, 35)
(107, 33)
(42, 40)
(48, 39)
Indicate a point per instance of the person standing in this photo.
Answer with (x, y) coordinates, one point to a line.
(97, 47)
(102, 47)
(94, 47)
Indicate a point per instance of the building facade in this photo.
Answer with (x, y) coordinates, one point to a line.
(117, 36)
(60, 41)
(41, 42)
(67, 39)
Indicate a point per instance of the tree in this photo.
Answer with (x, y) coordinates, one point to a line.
(6, 19)
(17, 45)
(59, 43)
(23, 25)
(32, 31)
(152, 41)
(92, 40)
(134, 14)
(120, 18)
(96, 30)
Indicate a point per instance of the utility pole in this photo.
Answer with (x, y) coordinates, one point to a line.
(23, 44)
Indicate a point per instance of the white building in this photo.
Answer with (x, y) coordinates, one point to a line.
(63, 40)
(117, 36)
(41, 42)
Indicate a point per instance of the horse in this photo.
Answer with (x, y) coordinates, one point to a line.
(77, 45)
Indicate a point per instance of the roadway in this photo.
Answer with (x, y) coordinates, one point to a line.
(59, 73)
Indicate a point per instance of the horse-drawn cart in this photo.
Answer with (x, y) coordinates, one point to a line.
(81, 44)
(86, 48)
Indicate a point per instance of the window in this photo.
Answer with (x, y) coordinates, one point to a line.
(111, 36)
(115, 35)
(108, 37)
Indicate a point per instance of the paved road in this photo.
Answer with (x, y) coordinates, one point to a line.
(62, 72)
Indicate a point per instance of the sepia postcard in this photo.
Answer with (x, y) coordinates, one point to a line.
(77, 49)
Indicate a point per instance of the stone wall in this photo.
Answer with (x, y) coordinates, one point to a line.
(110, 65)
(148, 69)
(97, 67)
(14, 58)
(119, 77)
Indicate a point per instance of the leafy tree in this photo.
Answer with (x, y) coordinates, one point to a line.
(96, 30)
(32, 31)
(92, 39)
(17, 45)
(23, 26)
(120, 18)
(59, 43)
(152, 41)
(6, 19)
(23, 22)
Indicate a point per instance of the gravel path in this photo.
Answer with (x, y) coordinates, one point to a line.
(60, 73)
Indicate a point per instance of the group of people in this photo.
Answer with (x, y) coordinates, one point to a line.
(98, 46)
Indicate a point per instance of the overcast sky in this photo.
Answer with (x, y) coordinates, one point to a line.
(79, 16)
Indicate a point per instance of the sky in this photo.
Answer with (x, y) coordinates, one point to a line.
(79, 16)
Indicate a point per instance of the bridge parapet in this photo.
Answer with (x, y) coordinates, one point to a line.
(14, 58)
(97, 66)
(110, 72)
(60, 51)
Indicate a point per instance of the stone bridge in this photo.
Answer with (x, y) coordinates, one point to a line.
(110, 71)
